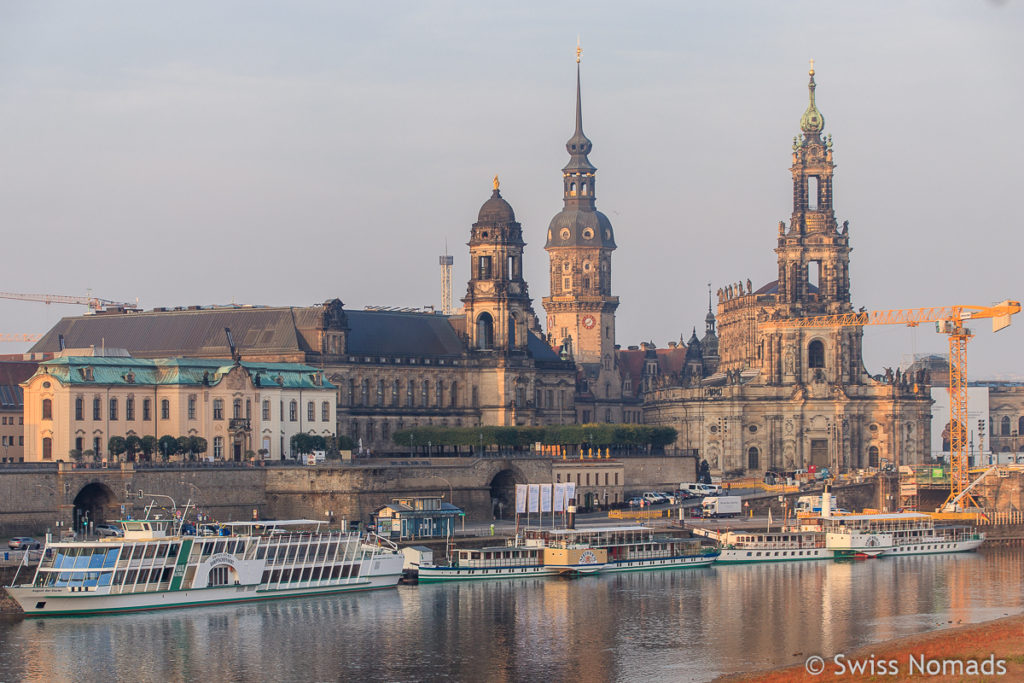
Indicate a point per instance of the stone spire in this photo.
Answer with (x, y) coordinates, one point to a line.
(579, 145)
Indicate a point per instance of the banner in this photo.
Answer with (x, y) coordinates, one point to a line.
(545, 497)
(521, 499)
(559, 497)
(534, 502)
(570, 492)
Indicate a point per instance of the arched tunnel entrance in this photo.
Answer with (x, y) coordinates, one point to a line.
(91, 505)
(503, 494)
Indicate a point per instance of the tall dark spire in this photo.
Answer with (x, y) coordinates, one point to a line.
(579, 145)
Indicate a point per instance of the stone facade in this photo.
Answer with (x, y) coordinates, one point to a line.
(788, 398)
(79, 402)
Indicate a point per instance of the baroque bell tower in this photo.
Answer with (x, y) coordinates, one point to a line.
(814, 254)
(580, 241)
(497, 301)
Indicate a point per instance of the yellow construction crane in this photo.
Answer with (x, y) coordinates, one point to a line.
(948, 320)
(94, 303)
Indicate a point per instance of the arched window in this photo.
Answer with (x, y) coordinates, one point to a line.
(1020, 426)
(583, 189)
(816, 354)
(752, 458)
(1004, 426)
(572, 189)
(454, 395)
(511, 331)
(485, 332)
(293, 411)
(395, 391)
(47, 448)
(873, 456)
(47, 409)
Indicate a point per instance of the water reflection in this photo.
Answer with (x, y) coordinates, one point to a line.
(688, 625)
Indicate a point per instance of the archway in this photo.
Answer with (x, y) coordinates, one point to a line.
(91, 505)
(503, 494)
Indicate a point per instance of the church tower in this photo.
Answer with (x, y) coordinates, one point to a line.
(581, 308)
(814, 255)
(497, 301)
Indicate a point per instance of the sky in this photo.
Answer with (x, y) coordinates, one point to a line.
(287, 153)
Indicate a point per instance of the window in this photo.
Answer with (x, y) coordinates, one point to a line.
(47, 448)
(79, 407)
(410, 393)
(248, 409)
(475, 397)
(165, 409)
(325, 411)
(310, 412)
(816, 354)
(364, 393)
(395, 390)
(293, 411)
(236, 409)
(78, 443)
(266, 409)
(96, 446)
(129, 408)
(113, 409)
(453, 397)
(147, 410)
(752, 458)
(812, 193)
(192, 407)
(439, 394)
(218, 409)
(1004, 425)
(380, 392)
(48, 409)
(873, 456)
(425, 393)
(484, 268)
(218, 447)
(484, 332)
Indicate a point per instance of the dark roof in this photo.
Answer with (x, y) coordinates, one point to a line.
(13, 373)
(496, 210)
(577, 220)
(158, 334)
(386, 333)
(539, 348)
(256, 331)
(773, 288)
(670, 362)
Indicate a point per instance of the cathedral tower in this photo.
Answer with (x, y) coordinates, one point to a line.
(580, 241)
(498, 309)
(814, 255)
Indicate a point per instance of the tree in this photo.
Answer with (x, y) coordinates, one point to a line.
(197, 445)
(75, 454)
(183, 447)
(132, 445)
(263, 452)
(116, 446)
(301, 443)
(704, 473)
(89, 453)
(168, 447)
(148, 446)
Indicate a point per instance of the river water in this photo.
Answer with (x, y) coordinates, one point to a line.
(685, 625)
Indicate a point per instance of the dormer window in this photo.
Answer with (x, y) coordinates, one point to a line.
(86, 374)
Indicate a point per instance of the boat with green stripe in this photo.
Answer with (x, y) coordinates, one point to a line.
(153, 566)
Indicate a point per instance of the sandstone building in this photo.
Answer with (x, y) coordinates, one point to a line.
(752, 397)
(80, 402)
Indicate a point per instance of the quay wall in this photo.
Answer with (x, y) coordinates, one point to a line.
(33, 498)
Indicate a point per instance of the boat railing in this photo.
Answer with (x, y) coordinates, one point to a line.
(373, 539)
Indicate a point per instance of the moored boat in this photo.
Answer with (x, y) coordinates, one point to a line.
(898, 533)
(151, 567)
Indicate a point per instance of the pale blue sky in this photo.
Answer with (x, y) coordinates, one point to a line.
(286, 153)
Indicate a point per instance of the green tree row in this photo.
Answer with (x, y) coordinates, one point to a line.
(619, 436)
(307, 443)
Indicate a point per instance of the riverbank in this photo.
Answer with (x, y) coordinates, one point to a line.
(918, 657)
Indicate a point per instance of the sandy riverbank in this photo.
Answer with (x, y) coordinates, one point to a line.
(1003, 638)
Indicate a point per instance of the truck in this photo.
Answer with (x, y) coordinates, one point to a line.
(721, 506)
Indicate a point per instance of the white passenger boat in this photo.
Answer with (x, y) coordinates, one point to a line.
(152, 568)
(899, 533)
(572, 552)
(772, 546)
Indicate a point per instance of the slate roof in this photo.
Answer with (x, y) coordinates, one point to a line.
(388, 333)
(12, 374)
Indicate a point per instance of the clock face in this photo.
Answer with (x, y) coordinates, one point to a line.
(588, 321)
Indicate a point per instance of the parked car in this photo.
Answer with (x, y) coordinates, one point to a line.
(109, 530)
(24, 543)
(635, 501)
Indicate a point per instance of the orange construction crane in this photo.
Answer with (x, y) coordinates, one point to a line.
(948, 320)
(94, 303)
(20, 337)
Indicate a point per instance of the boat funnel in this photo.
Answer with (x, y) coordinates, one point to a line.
(570, 514)
(826, 504)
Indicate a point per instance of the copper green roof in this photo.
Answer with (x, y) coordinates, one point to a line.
(812, 122)
(100, 370)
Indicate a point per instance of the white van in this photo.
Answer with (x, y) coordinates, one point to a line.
(701, 490)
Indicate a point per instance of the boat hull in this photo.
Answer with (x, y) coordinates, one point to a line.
(751, 555)
(936, 547)
(44, 602)
(682, 562)
(443, 573)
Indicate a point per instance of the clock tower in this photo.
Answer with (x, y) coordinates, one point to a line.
(580, 308)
